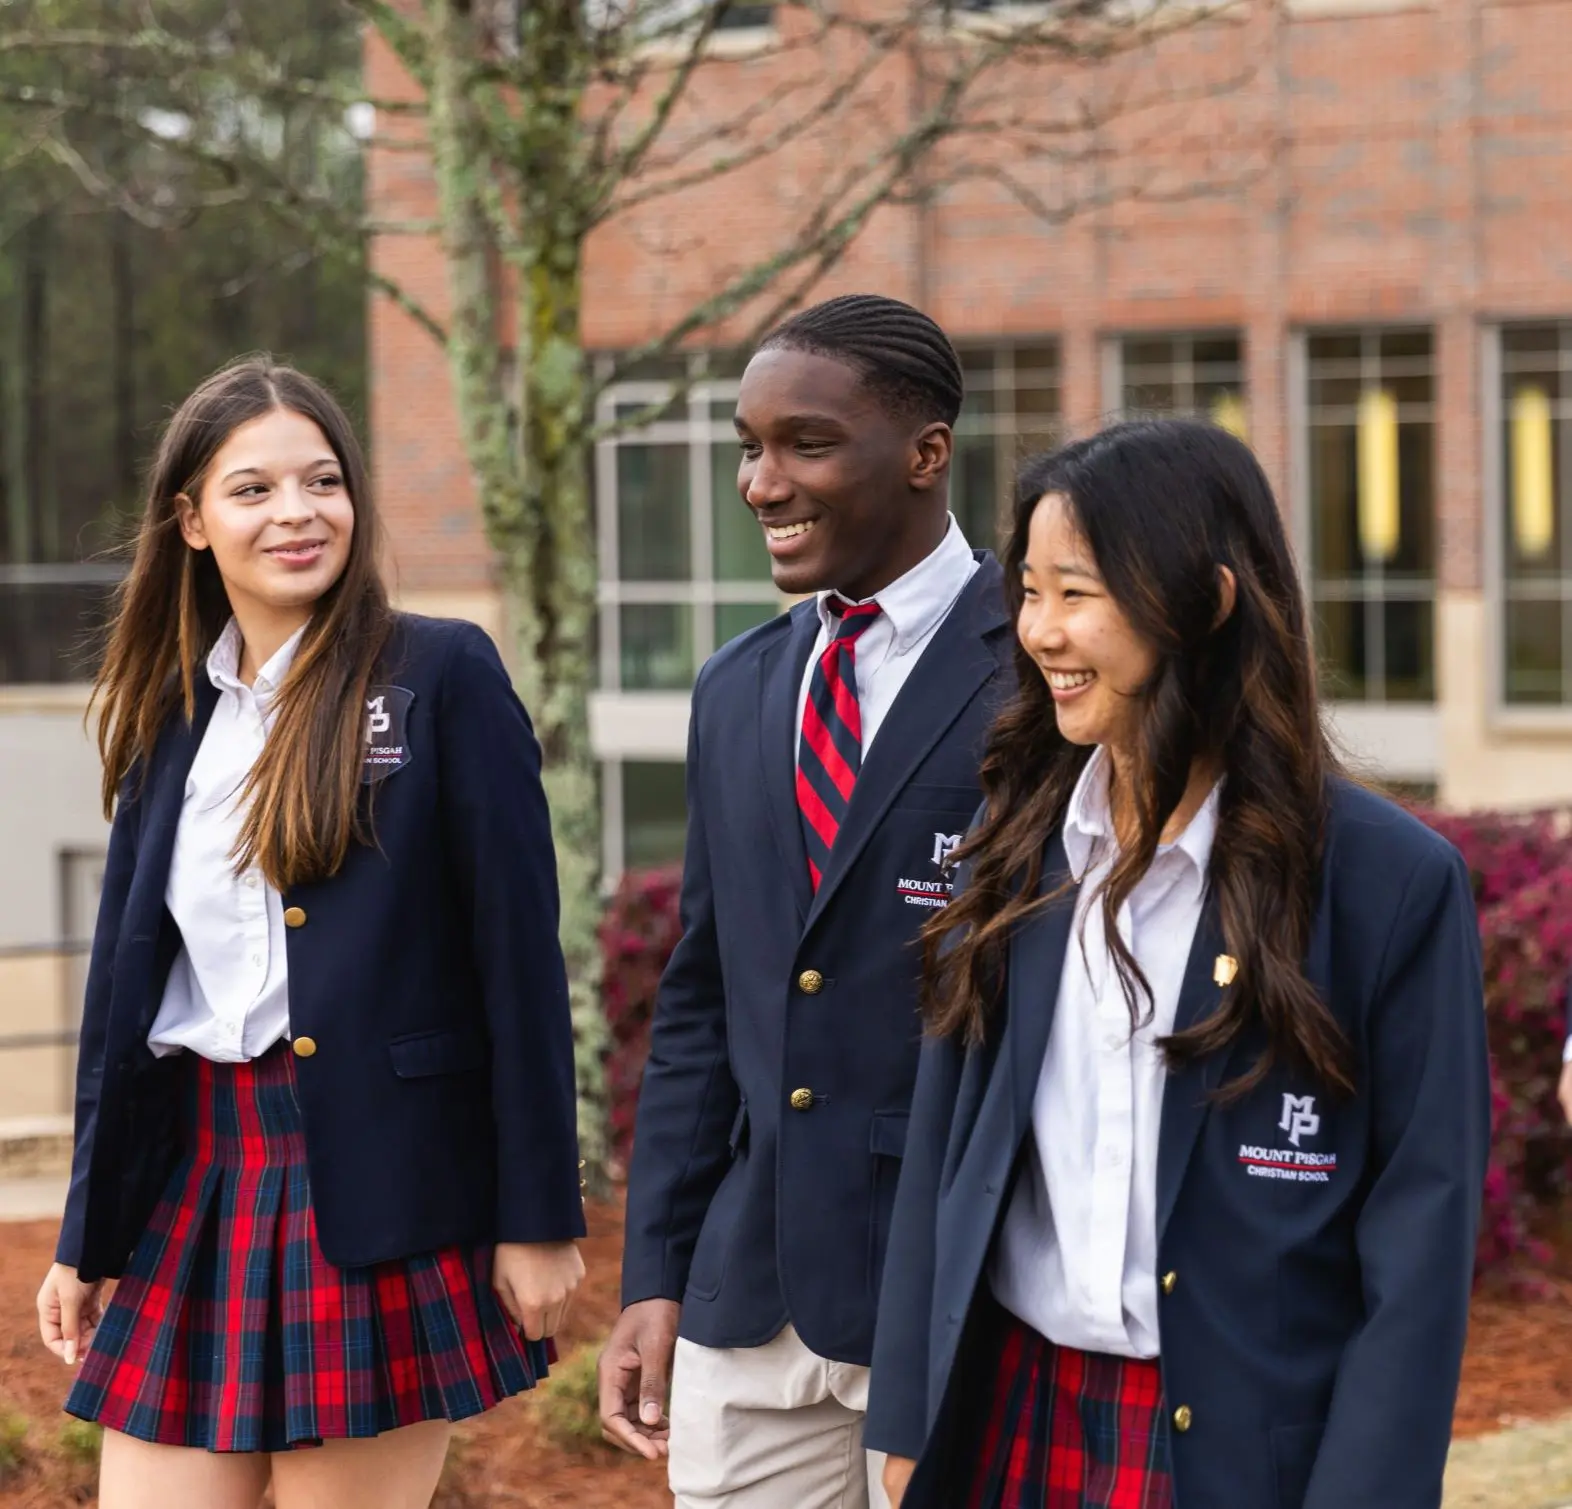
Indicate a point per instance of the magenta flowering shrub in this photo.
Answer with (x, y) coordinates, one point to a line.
(637, 934)
(1522, 871)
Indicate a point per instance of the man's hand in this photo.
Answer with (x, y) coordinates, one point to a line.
(897, 1474)
(1564, 1092)
(68, 1312)
(635, 1377)
(535, 1282)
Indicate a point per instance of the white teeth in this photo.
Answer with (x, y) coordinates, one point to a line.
(1067, 681)
(788, 531)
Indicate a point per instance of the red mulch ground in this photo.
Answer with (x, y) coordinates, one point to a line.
(1519, 1366)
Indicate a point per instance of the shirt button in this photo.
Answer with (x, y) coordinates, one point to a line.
(1113, 1042)
(251, 882)
(256, 958)
(1116, 1157)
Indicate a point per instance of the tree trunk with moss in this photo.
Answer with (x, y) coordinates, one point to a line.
(525, 423)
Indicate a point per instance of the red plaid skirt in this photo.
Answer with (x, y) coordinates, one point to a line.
(231, 1331)
(1064, 1429)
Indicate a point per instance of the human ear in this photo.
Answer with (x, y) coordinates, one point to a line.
(1227, 596)
(190, 520)
(934, 446)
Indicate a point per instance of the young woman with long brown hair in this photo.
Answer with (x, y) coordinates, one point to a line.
(325, 1112)
(1188, 1208)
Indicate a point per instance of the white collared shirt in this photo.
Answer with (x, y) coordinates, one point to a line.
(228, 993)
(1077, 1255)
(912, 608)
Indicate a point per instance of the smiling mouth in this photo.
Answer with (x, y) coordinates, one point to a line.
(790, 531)
(1070, 681)
(298, 550)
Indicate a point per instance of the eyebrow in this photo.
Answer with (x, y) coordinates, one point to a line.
(794, 421)
(257, 471)
(1066, 568)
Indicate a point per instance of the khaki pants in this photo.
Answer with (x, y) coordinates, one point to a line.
(771, 1427)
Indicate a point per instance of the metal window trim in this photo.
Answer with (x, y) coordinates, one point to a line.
(1493, 505)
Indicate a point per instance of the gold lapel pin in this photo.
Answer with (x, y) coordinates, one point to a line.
(1224, 970)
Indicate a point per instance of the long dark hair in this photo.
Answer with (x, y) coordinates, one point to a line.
(303, 805)
(1161, 505)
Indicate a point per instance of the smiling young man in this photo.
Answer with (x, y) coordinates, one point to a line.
(832, 766)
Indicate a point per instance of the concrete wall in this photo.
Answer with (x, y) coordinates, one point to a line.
(48, 808)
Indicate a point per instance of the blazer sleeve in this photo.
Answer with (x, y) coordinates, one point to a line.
(119, 868)
(1390, 1421)
(688, 1101)
(898, 1404)
(498, 832)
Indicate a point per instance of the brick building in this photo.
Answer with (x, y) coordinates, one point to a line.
(1402, 258)
(1401, 255)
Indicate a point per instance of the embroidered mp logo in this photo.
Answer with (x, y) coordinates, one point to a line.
(944, 845)
(1299, 1117)
(387, 732)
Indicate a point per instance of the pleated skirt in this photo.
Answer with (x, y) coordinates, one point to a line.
(231, 1331)
(1065, 1429)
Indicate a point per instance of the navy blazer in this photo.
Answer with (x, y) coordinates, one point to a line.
(1321, 1252)
(439, 1106)
(773, 1112)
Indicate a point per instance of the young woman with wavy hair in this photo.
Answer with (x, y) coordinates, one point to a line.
(325, 1115)
(1191, 1185)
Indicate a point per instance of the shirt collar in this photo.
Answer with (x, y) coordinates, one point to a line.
(916, 602)
(1088, 821)
(223, 663)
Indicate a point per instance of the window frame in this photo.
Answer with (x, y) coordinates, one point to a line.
(1502, 714)
(1114, 370)
(701, 592)
(1303, 524)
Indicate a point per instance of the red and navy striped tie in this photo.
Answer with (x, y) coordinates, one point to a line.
(830, 752)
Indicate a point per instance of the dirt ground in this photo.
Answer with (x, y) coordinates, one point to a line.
(1518, 1367)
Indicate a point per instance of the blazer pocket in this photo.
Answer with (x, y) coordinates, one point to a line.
(887, 1145)
(446, 1051)
(887, 1136)
(1294, 1450)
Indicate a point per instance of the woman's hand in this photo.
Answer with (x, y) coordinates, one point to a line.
(897, 1474)
(68, 1312)
(535, 1282)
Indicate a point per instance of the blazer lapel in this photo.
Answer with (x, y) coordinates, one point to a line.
(1036, 962)
(165, 800)
(781, 669)
(958, 661)
(1187, 1095)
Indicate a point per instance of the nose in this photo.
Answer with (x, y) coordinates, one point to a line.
(292, 504)
(1039, 628)
(762, 482)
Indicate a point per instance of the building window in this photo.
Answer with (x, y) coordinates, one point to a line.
(1199, 376)
(683, 562)
(1370, 480)
(1012, 409)
(1536, 514)
(654, 813)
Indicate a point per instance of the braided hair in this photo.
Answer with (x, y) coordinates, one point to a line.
(900, 354)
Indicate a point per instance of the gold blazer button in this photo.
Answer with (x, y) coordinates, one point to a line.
(305, 1047)
(802, 1100)
(810, 982)
(1170, 1282)
(1182, 1418)
(294, 916)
